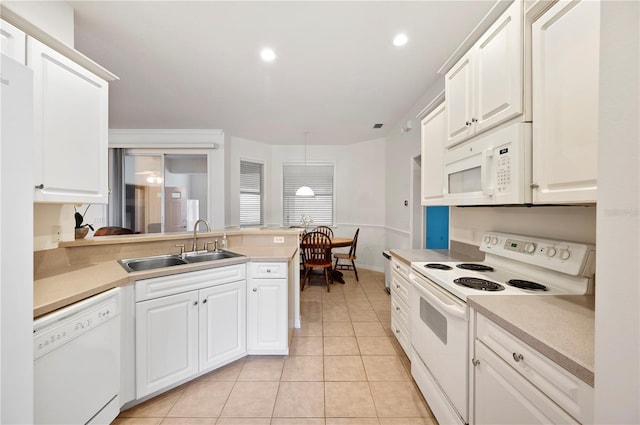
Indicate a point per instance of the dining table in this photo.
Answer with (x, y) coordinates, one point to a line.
(337, 242)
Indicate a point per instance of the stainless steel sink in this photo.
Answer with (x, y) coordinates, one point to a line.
(221, 254)
(150, 263)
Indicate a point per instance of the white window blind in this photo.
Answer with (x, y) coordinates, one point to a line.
(319, 177)
(251, 197)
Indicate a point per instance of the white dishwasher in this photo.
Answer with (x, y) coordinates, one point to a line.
(77, 362)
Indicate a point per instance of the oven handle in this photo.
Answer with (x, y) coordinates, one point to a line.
(453, 309)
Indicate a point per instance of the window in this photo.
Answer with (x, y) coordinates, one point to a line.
(160, 191)
(251, 194)
(319, 177)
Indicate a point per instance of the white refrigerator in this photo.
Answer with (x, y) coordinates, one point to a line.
(16, 242)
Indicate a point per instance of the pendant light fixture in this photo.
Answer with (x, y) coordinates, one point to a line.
(305, 190)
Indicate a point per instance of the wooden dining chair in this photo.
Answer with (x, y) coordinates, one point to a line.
(351, 256)
(316, 249)
(326, 230)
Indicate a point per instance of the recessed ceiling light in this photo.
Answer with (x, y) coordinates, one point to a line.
(400, 40)
(267, 55)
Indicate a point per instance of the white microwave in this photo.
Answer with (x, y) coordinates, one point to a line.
(491, 169)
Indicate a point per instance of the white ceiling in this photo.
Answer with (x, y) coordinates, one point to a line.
(185, 64)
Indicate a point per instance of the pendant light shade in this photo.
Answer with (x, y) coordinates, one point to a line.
(305, 190)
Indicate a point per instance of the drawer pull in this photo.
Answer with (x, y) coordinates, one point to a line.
(397, 308)
(518, 357)
(475, 362)
(397, 331)
(268, 270)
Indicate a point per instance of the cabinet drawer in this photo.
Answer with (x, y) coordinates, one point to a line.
(173, 284)
(401, 333)
(400, 287)
(569, 392)
(268, 270)
(400, 268)
(401, 312)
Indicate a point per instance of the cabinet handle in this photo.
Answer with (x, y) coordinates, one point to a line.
(255, 289)
(518, 357)
(475, 362)
(397, 308)
(204, 301)
(268, 270)
(195, 303)
(467, 123)
(40, 186)
(534, 185)
(397, 286)
(474, 119)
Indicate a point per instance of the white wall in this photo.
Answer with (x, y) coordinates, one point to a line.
(617, 367)
(576, 223)
(401, 148)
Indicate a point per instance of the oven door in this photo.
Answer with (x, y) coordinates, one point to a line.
(439, 336)
(491, 169)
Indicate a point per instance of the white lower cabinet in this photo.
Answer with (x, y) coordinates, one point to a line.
(222, 324)
(513, 383)
(180, 335)
(166, 341)
(400, 302)
(267, 326)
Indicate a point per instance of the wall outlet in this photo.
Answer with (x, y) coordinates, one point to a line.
(56, 233)
(278, 239)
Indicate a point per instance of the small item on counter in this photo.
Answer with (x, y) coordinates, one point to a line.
(224, 241)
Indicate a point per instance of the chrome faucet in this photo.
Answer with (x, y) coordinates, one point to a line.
(195, 232)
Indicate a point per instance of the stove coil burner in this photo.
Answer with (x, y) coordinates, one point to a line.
(438, 266)
(479, 284)
(475, 267)
(525, 284)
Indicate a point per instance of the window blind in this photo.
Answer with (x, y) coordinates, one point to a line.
(319, 177)
(251, 193)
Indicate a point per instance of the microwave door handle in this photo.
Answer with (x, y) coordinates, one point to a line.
(487, 156)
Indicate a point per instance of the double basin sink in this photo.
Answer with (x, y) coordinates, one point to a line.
(160, 261)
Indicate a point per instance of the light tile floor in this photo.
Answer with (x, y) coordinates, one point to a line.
(345, 367)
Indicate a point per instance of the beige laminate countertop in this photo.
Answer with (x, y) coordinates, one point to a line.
(79, 282)
(559, 327)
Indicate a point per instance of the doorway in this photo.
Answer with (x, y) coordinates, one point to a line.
(417, 210)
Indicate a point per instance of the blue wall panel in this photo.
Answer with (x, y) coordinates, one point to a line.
(437, 227)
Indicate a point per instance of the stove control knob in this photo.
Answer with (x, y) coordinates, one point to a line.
(551, 252)
(529, 247)
(494, 240)
(487, 239)
(565, 254)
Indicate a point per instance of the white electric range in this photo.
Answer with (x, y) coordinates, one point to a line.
(513, 265)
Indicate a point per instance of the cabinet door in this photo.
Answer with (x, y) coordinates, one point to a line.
(166, 341)
(503, 396)
(70, 133)
(222, 324)
(565, 102)
(498, 71)
(12, 42)
(432, 168)
(267, 316)
(458, 92)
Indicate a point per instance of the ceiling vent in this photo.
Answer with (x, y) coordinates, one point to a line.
(377, 125)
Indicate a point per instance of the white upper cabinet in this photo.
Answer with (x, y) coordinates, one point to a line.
(432, 168)
(485, 87)
(71, 128)
(565, 49)
(12, 42)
